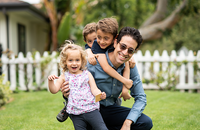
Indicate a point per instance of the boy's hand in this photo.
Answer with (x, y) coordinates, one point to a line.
(132, 62)
(92, 59)
(129, 83)
(52, 77)
(125, 94)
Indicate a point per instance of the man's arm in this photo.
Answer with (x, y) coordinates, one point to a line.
(137, 92)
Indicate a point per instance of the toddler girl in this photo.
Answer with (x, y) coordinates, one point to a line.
(81, 105)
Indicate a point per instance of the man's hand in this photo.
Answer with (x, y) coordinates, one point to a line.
(127, 125)
(65, 89)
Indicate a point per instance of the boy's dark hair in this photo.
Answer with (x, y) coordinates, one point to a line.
(132, 32)
(89, 28)
(108, 25)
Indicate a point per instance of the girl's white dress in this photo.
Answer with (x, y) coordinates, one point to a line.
(80, 99)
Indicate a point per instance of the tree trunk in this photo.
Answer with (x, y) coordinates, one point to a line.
(51, 11)
(158, 15)
(155, 30)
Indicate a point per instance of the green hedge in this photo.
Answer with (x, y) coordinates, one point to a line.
(4, 91)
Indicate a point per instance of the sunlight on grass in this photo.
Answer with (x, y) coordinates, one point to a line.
(35, 111)
(38, 110)
(172, 110)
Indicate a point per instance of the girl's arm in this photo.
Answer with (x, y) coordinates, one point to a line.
(110, 71)
(55, 87)
(94, 89)
(91, 57)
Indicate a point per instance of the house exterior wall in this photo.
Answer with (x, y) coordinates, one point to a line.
(37, 37)
(3, 36)
(36, 33)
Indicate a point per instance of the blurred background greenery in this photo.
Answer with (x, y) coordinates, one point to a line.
(71, 16)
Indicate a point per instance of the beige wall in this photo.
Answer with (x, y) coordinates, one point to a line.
(3, 38)
(36, 33)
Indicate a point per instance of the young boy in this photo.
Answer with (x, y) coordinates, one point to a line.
(106, 31)
(89, 35)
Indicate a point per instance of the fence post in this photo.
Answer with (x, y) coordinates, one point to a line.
(38, 72)
(13, 73)
(5, 61)
(147, 58)
(139, 58)
(190, 59)
(165, 60)
(54, 69)
(156, 64)
(21, 61)
(198, 73)
(46, 72)
(29, 70)
(182, 80)
(173, 58)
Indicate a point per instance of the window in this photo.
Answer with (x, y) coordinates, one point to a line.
(21, 38)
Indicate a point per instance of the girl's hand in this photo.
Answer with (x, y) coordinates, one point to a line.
(103, 95)
(52, 77)
(132, 62)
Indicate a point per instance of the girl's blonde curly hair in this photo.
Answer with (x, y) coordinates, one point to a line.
(69, 45)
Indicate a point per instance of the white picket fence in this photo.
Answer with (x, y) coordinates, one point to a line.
(34, 77)
(26, 72)
(185, 73)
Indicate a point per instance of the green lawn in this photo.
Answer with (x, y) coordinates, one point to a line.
(38, 110)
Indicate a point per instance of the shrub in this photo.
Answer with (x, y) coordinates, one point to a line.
(4, 91)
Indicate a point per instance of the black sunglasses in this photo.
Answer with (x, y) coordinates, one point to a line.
(124, 47)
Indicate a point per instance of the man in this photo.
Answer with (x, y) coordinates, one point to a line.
(118, 117)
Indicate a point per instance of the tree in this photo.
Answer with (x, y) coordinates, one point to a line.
(52, 13)
(152, 17)
(154, 27)
(58, 12)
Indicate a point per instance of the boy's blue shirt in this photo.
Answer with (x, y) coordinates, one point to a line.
(97, 49)
(112, 87)
(86, 46)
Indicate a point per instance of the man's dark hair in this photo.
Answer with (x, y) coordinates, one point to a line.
(132, 32)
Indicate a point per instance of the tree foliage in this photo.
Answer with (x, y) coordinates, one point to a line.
(158, 20)
(185, 33)
(57, 10)
(127, 12)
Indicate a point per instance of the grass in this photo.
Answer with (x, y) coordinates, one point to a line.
(38, 110)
